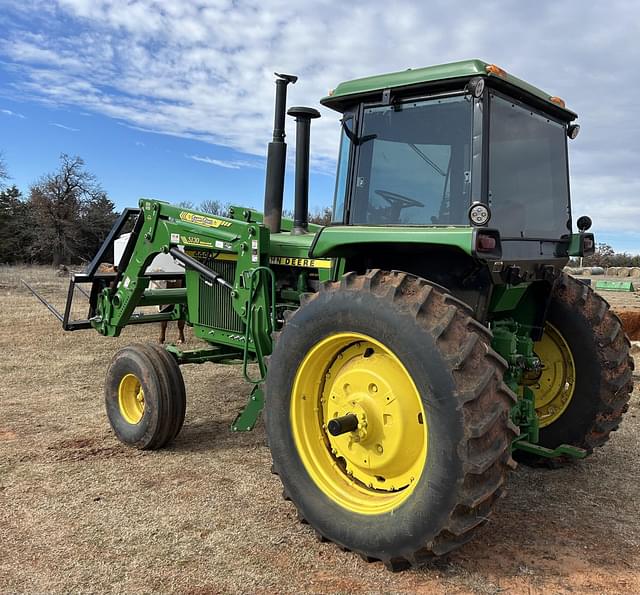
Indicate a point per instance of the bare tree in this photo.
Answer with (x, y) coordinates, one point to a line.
(602, 256)
(58, 202)
(320, 216)
(214, 207)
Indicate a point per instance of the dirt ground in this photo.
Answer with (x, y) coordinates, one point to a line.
(81, 513)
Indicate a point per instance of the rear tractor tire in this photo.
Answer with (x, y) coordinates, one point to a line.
(145, 396)
(387, 417)
(586, 379)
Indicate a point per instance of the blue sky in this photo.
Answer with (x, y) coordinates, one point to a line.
(173, 99)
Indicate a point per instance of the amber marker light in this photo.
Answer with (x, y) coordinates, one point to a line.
(493, 69)
(558, 101)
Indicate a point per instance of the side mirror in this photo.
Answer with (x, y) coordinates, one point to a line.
(583, 223)
(573, 130)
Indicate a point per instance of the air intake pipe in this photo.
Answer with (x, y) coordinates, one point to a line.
(303, 116)
(276, 157)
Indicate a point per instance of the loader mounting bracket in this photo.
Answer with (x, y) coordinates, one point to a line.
(248, 417)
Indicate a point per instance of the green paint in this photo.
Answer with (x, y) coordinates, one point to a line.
(260, 321)
(615, 285)
(217, 354)
(576, 244)
(248, 417)
(507, 297)
(423, 76)
(244, 214)
(338, 240)
(565, 450)
(512, 341)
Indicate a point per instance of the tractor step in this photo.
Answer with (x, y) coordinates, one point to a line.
(565, 450)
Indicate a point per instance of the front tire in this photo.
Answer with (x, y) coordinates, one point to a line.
(431, 451)
(145, 396)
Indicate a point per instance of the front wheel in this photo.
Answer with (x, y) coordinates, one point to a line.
(387, 417)
(145, 396)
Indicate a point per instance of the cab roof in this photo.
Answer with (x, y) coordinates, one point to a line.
(358, 89)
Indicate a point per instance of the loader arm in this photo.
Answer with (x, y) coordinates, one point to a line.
(220, 256)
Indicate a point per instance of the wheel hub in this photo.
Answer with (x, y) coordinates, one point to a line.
(131, 399)
(375, 410)
(365, 382)
(554, 386)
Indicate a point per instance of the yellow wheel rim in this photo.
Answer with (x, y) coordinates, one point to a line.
(554, 388)
(374, 468)
(131, 399)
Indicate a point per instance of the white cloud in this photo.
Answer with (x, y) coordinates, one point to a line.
(226, 163)
(8, 112)
(69, 128)
(203, 69)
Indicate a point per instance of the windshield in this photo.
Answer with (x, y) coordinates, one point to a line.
(343, 171)
(414, 165)
(528, 179)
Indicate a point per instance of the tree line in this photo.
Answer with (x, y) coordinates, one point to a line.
(606, 256)
(63, 218)
(66, 215)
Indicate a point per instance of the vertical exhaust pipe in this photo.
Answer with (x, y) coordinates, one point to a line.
(276, 157)
(303, 116)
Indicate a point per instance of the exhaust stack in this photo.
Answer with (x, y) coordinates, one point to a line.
(303, 116)
(276, 157)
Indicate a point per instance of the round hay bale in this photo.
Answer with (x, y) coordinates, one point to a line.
(635, 272)
(623, 272)
(578, 272)
(569, 270)
(597, 271)
(612, 271)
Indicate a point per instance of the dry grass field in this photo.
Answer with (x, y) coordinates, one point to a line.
(81, 513)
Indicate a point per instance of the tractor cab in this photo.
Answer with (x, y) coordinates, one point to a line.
(462, 144)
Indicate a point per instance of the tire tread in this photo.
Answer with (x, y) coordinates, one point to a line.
(482, 396)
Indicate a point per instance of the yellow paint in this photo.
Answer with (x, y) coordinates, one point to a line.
(208, 254)
(195, 241)
(203, 220)
(131, 399)
(554, 388)
(375, 468)
(311, 263)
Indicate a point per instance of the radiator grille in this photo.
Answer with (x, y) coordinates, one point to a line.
(215, 301)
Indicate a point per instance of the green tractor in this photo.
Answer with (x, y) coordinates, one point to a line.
(408, 350)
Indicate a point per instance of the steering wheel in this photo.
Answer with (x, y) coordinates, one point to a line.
(398, 200)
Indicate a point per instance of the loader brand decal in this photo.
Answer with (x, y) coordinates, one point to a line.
(195, 241)
(310, 263)
(203, 221)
